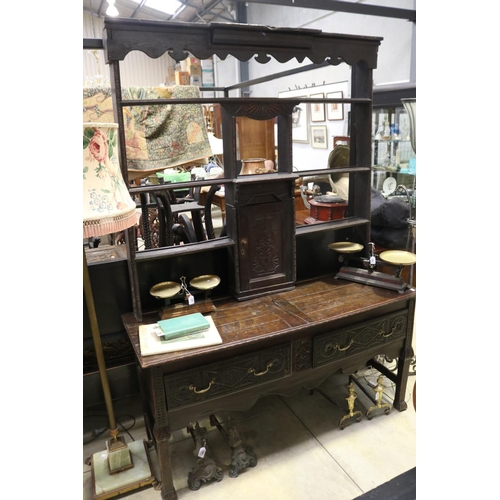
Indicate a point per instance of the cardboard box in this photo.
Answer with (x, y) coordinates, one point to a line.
(195, 70)
(181, 78)
(207, 64)
(192, 61)
(195, 80)
(207, 78)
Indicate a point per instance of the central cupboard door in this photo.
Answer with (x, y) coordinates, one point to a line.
(266, 239)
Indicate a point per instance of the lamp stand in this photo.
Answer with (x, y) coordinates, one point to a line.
(120, 468)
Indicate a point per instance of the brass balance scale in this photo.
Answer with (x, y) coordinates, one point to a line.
(397, 258)
(179, 300)
(368, 275)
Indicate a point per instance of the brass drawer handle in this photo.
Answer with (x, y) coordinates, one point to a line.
(344, 348)
(252, 370)
(385, 335)
(196, 391)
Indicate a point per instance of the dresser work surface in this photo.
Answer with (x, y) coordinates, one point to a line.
(275, 344)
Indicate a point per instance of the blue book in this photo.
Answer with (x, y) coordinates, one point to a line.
(174, 328)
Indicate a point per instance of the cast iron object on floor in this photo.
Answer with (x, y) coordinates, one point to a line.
(206, 468)
(241, 457)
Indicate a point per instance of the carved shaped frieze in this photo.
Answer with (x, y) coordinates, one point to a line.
(226, 377)
(347, 342)
(302, 355)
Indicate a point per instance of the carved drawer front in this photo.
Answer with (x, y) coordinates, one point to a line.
(358, 338)
(218, 379)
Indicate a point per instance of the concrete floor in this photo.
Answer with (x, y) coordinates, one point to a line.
(301, 451)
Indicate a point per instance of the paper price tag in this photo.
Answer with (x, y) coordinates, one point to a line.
(373, 260)
(202, 451)
(190, 299)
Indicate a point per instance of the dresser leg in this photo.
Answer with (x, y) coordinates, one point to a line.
(162, 436)
(404, 363)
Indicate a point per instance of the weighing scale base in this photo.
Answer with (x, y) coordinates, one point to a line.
(203, 306)
(373, 278)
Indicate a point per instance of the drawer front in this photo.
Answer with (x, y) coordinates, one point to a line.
(219, 379)
(358, 338)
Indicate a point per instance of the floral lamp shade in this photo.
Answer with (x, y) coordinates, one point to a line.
(107, 205)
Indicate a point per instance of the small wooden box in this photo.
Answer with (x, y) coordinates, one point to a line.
(327, 211)
(182, 78)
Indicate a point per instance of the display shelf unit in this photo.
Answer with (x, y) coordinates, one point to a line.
(262, 243)
(286, 323)
(391, 145)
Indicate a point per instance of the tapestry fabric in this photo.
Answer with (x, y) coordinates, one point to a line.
(156, 137)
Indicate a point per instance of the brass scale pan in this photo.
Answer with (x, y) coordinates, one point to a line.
(397, 257)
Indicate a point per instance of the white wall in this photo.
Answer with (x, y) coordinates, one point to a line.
(395, 53)
(395, 59)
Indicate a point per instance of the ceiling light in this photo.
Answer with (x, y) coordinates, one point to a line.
(112, 10)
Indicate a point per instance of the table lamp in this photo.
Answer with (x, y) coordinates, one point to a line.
(108, 208)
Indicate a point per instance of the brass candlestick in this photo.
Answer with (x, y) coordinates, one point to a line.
(351, 398)
(379, 393)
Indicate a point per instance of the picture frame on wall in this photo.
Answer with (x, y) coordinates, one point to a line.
(300, 120)
(334, 110)
(319, 137)
(317, 108)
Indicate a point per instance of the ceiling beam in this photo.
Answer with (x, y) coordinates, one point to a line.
(208, 10)
(343, 6)
(137, 9)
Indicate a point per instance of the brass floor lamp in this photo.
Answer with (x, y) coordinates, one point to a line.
(108, 208)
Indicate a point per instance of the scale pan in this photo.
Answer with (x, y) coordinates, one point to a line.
(165, 290)
(205, 282)
(345, 247)
(399, 257)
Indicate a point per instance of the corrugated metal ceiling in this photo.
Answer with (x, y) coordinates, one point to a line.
(204, 11)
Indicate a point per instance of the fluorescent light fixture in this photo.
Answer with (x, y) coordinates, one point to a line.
(112, 11)
(166, 6)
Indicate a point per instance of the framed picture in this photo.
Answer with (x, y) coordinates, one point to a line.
(334, 110)
(317, 108)
(319, 138)
(300, 121)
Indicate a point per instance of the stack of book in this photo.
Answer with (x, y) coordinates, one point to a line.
(176, 334)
